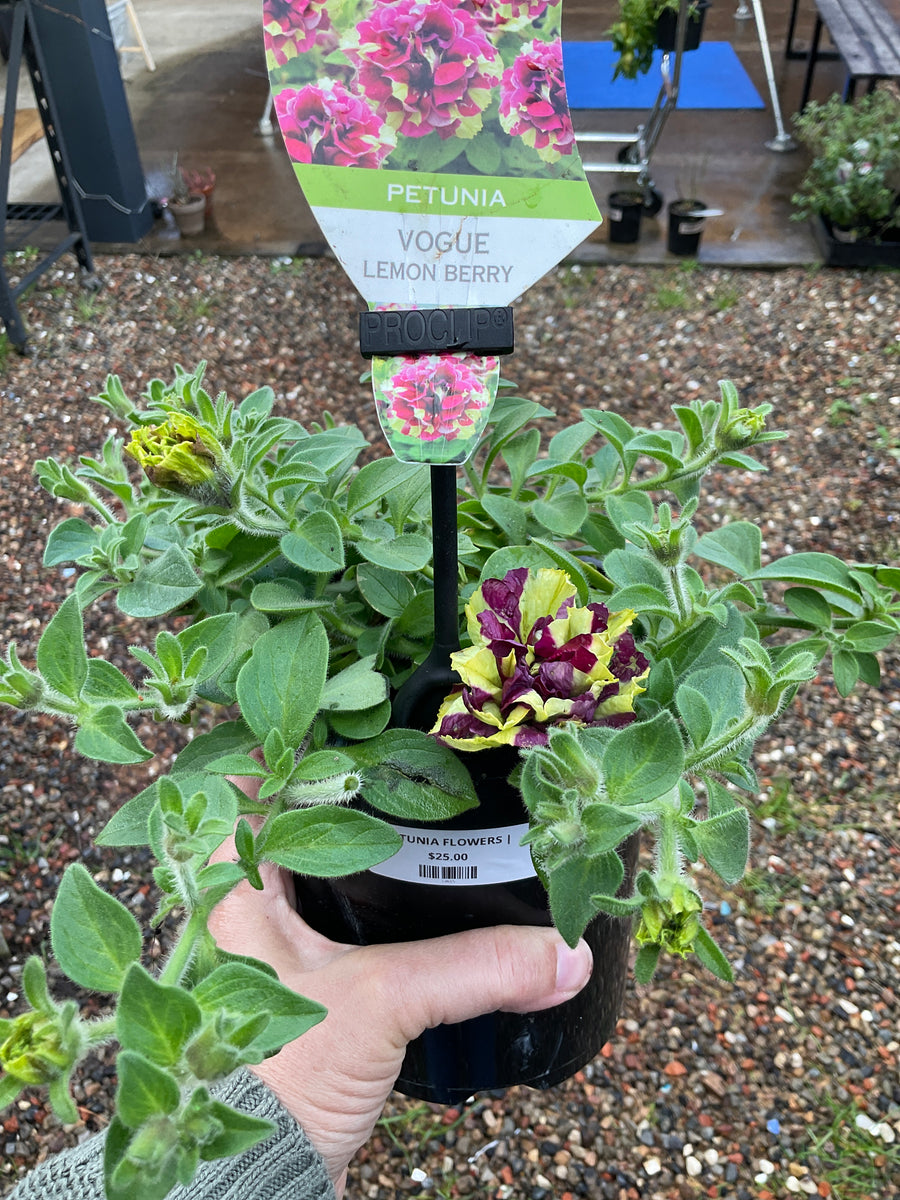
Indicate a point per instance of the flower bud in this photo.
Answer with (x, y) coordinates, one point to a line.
(36, 1051)
(181, 454)
(742, 430)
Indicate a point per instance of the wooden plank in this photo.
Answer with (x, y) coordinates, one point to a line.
(27, 130)
(866, 35)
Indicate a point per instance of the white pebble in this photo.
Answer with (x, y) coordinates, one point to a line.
(783, 1015)
(711, 1156)
(766, 1167)
(849, 1008)
(864, 1121)
(693, 1166)
(792, 1184)
(418, 1175)
(652, 1166)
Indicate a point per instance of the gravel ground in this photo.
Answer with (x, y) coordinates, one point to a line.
(786, 1083)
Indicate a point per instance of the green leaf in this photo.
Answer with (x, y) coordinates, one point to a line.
(325, 841)
(409, 775)
(238, 764)
(70, 541)
(216, 636)
(229, 737)
(128, 827)
(722, 690)
(105, 735)
(316, 544)
(406, 553)
(572, 887)
(357, 687)
(243, 991)
(386, 591)
(61, 656)
(810, 569)
(736, 546)
(809, 605)
(645, 963)
(159, 586)
(280, 686)
(284, 596)
(239, 1132)
(363, 724)
(712, 957)
(106, 684)
(606, 827)
(643, 599)
(373, 481)
(155, 1019)
(508, 515)
(870, 636)
(520, 452)
(724, 841)
(631, 508)
(144, 1089)
(95, 938)
(869, 669)
(845, 668)
(644, 760)
(564, 515)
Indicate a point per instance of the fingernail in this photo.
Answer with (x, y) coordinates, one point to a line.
(573, 967)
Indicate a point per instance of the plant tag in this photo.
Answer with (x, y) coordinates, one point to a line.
(434, 144)
(459, 857)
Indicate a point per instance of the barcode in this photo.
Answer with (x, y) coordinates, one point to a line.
(430, 872)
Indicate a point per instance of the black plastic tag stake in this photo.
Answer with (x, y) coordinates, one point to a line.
(436, 331)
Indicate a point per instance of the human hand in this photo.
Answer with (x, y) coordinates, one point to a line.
(336, 1078)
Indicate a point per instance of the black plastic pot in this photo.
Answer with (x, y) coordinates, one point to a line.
(686, 224)
(667, 28)
(452, 1062)
(841, 252)
(624, 213)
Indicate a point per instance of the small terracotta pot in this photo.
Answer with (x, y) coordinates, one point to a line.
(189, 216)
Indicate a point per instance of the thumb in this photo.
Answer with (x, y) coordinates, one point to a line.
(517, 968)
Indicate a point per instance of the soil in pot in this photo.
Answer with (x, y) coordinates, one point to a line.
(189, 216)
(624, 214)
(667, 27)
(686, 222)
(468, 873)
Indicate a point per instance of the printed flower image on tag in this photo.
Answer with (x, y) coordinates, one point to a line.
(434, 407)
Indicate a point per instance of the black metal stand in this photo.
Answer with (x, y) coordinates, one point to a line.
(20, 221)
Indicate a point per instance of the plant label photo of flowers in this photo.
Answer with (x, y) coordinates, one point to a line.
(434, 144)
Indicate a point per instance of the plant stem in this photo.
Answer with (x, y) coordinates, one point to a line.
(183, 950)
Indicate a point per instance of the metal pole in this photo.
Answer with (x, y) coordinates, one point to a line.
(782, 141)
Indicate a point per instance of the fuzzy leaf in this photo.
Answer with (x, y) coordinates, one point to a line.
(95, 938)
(160, 586)
(712, 957)
(280, 686)
(326, 842)
(106, 736)
(571, 891)
(144, 1089)
(645, 963)
(70, 541)
(61, 656)
(243, 991)
(316, 544)
(724, 841)
(644, 760)
(155, 1019)
(736, 546)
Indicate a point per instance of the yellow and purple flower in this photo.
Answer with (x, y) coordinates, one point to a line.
(426, 67)
(537, 660)
(324, 123)
(533, 103)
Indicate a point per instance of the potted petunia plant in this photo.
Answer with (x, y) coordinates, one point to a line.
(615, 671)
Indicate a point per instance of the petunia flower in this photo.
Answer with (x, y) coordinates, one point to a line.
(295, 26)
(180, 454)
(426, 67)
(533, 103)
(325, 123)
(538, 660)
(502, 15)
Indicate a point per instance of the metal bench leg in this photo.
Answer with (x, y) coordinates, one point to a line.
(811, 65)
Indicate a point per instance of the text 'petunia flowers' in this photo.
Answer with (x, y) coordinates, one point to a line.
(537, 660)
(426, 67)
(533, 103)
(326, 124)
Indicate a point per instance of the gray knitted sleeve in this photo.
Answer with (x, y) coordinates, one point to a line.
(286, 1166)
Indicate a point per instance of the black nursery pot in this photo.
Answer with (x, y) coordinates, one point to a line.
(667, 28)
(467, 873)
(624, 213)
(685, 226)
